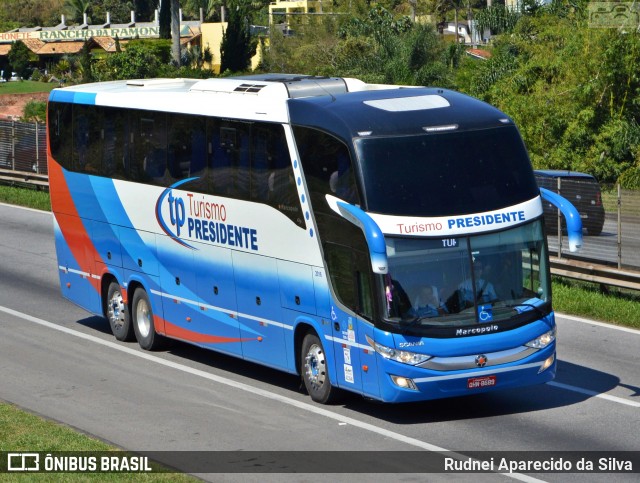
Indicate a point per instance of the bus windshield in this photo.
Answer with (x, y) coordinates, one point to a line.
(448, 173)
(436, 283)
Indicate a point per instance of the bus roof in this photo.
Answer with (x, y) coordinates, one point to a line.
(329, 103)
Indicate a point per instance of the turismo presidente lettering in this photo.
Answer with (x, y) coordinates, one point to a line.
(205, 221)
(481, 220)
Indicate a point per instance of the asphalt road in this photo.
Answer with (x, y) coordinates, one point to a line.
(57, 361)
(604, 247)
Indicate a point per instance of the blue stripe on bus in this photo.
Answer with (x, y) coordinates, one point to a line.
(73, 97)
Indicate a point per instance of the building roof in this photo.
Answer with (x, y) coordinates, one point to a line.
(34, 45)
(479, 53)
(108, 43)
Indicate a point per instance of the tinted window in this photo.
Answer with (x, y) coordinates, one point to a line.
(327, 164)
(243, 160)
(59, 123)
(149, 161)
(446, 173)
(351, 278)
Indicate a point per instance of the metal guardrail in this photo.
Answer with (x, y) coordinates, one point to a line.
(10, 176)
(23, 162)
(595, 273)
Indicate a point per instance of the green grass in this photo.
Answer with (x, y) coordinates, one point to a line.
(26, 87)
(617, 306)
(29, 197)
(21, 431)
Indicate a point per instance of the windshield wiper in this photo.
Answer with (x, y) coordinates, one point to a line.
(411, 322)
(537, 308)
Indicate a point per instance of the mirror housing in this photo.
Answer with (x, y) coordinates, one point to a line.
(571, 215)
(370, 229)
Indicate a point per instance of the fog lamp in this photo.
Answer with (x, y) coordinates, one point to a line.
(547, 364)
(404, 382)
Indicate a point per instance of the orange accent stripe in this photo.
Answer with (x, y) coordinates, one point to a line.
(173, 330)
(71, 225)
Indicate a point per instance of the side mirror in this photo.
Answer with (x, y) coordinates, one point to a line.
(372, 232)
(570, 213)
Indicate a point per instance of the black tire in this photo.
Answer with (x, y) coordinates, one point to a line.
(142, 318)
(117, 313)
(595, 230)
(315, 374)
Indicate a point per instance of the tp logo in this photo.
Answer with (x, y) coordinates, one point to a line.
(23, 462)
(177, 212)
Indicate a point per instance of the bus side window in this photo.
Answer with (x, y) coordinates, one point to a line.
(150, 161)
(340, 267)
(88, 139)
(223, 141)
(60, 126)
(243, 167)
(327, 164)
(116, 143)
(261, 160)
(364, 285)
(186, 153)
(351, 278)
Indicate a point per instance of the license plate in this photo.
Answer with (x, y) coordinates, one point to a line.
(478, 382)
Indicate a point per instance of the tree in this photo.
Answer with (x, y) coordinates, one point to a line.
(19, 59)
(175, 32)
(145, 8)
(77, 9)
(85, 63)
(376, 46)
(237, 46)
(165, 19)
(141, 60)
(209, 8)
(119, 11)
(31, 13)
(572, 90)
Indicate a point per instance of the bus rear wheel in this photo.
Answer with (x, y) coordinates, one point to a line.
(315, 374)
(143, 325)
(118, 314)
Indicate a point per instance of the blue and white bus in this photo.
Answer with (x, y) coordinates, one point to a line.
(381, 240)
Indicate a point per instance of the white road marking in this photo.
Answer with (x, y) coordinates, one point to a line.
(588, 392)
(256, 391)
(34, 210)
(599, 324)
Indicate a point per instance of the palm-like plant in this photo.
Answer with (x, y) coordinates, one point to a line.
(77, 8)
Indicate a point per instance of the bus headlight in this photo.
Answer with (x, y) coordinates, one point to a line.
(405, 357)
(543, 341)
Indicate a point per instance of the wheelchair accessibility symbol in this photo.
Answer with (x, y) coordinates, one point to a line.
(485, 313)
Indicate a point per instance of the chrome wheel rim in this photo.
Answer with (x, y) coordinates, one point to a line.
(143, 318)
(116, 310)
(315, 366)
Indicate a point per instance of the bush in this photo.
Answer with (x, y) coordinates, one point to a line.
(630, 178)
(36, 75)
(34, 111)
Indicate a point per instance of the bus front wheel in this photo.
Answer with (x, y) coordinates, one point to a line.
(315, 373)
(143, 325)
(118, 314)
